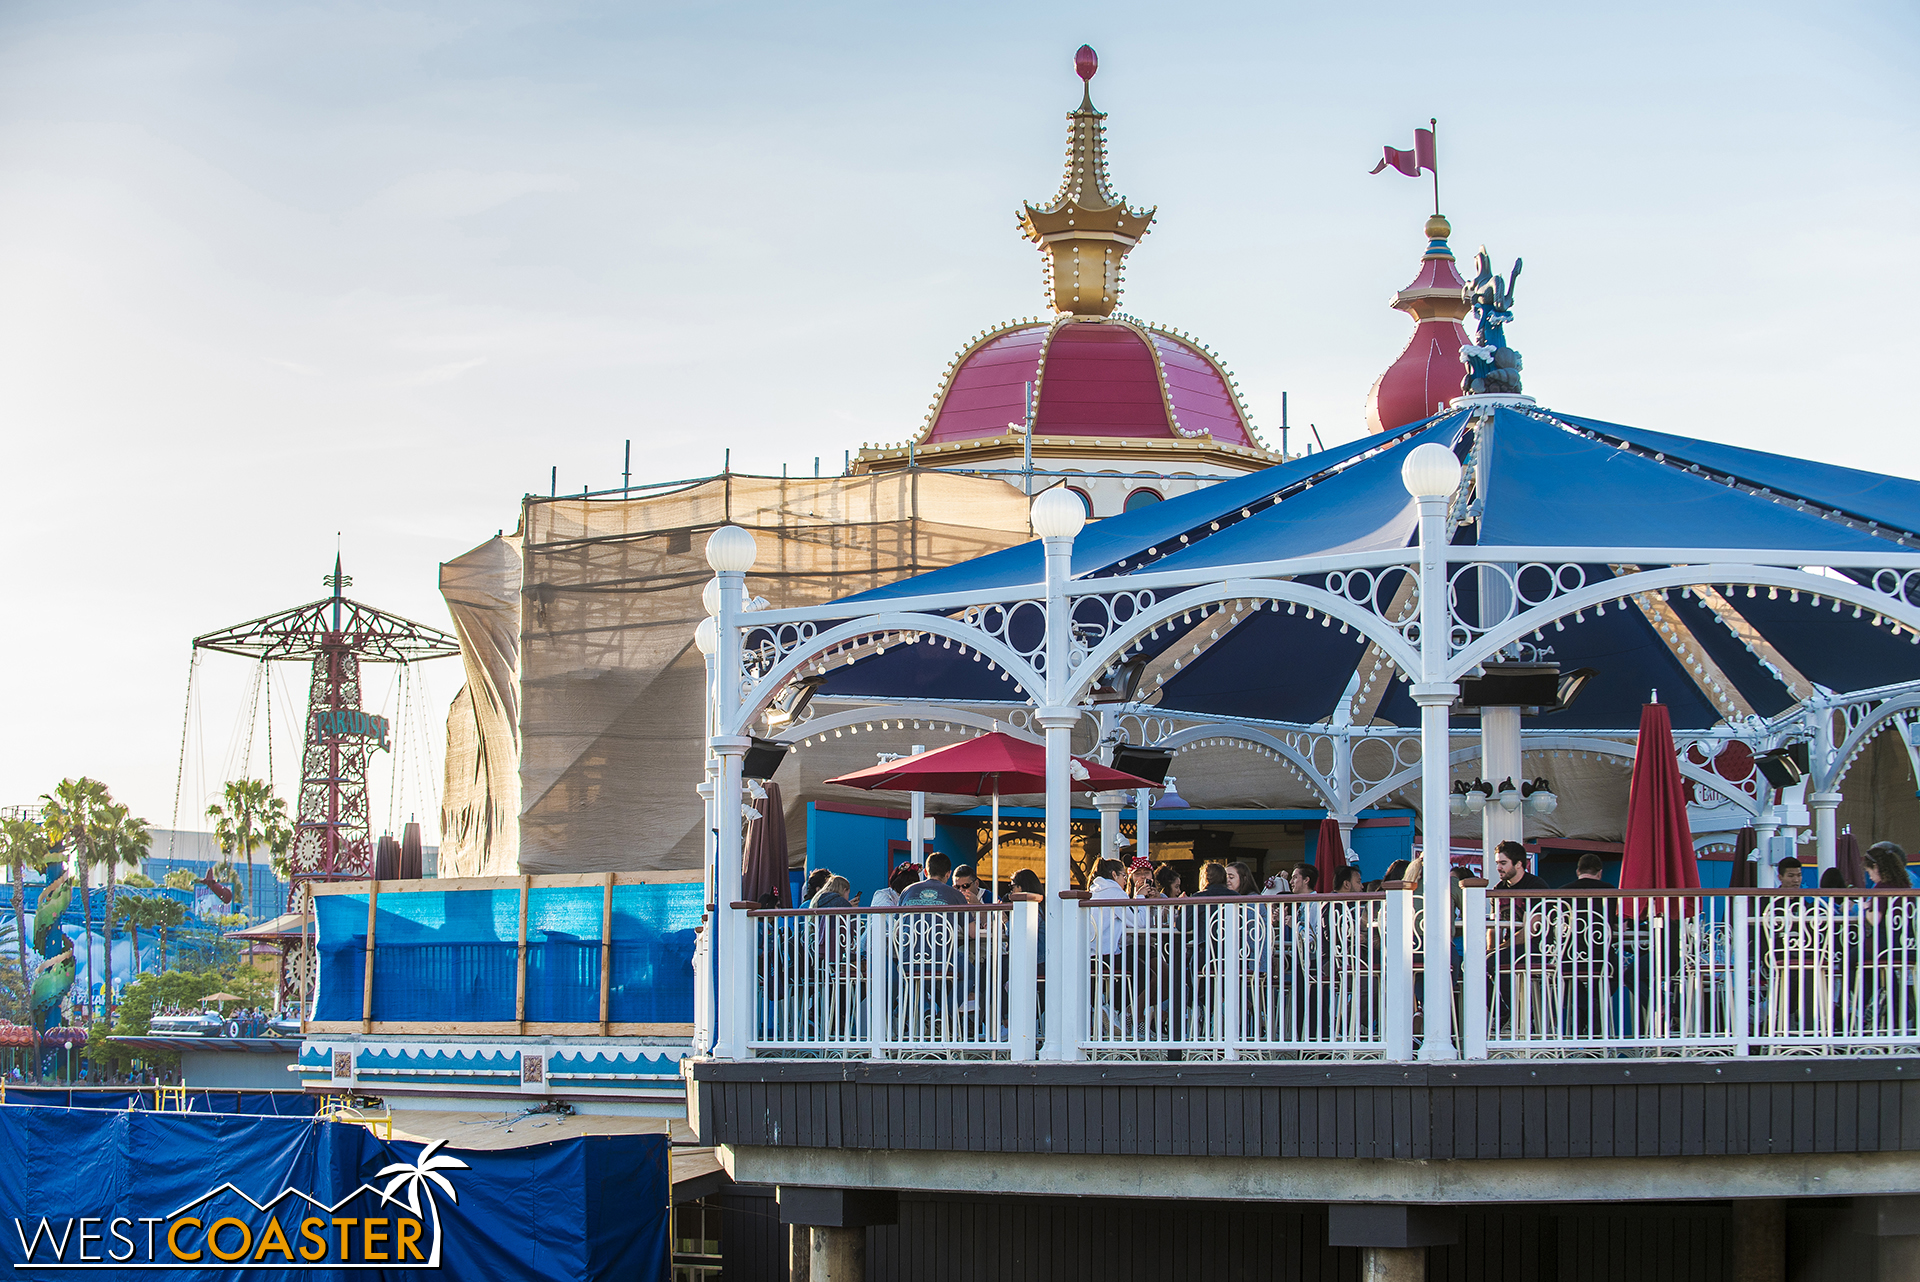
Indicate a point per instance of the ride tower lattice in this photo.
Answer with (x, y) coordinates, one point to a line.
(333, 837)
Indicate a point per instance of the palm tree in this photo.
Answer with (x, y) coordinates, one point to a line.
(252, 819)
(122, 839)
(72, 814)
(167, 913)
(25, 846)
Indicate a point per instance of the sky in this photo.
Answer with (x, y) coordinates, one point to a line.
(280, 278)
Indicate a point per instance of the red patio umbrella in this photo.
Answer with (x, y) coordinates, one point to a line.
(1746, 873)
(989, 765)
(1846, 857)
(1659, 847)
(764, 861)
(1329, 858)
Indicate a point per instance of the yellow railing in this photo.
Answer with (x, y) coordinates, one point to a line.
(340, 1108)
(170, 1099)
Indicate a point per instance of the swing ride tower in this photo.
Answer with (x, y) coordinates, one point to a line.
(333, 837)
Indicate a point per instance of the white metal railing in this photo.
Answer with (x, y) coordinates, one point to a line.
(1543, 974)
(908, 982)
(1722, 972)
(1238, 976)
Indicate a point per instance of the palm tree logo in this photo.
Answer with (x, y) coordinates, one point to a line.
(414, 1177)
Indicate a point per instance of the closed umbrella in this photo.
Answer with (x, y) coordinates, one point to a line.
(764, 861)
(989, 765)
(1846, 857)
(1329, 859)
(1746, 873)
(1659, 848)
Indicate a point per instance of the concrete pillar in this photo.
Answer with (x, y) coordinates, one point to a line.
(829, 1230)
(1893, 1225)
(1393, 1264)
(1759, 1240)
(839, 1255)
(1109, 804)
(1393, 1237)
(799, 1253)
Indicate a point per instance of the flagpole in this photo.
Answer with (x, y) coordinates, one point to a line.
(1433, 123)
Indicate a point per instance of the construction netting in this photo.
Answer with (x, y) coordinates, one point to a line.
(601, 597)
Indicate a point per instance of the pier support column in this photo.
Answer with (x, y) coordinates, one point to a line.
(829, 1230)
(1760, 1240)
(1393, 1237)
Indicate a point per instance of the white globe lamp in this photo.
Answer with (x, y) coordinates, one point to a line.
(706, 637)
(1430, 471)
(1058, 514)
(731, 549)
(710, 596)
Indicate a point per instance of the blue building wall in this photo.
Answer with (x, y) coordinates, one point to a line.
(855, 846)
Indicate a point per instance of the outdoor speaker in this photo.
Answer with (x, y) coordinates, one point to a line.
(762, 758)
(1782, 767)
(1512, 685)
(1143, 763)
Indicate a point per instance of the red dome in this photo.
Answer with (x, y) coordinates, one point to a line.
(1428, 374)
(1097, 378)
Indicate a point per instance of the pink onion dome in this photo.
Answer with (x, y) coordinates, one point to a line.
(1111, 377)
(1428, 374)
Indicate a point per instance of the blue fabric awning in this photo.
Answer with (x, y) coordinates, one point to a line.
(1536, 479)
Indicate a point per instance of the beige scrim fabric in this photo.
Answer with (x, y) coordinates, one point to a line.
(610, 682)
(479, 816)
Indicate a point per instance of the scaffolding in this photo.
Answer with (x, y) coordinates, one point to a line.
(582, 714)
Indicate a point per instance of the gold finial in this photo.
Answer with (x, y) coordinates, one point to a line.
(1087, 230)
(1438, 228)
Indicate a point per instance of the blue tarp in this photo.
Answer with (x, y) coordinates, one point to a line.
(259, 1103)
(444, 955)
(118, 1184)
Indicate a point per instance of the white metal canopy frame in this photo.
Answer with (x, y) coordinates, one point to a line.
(1426, 615)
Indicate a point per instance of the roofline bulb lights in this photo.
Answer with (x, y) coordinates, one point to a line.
(731, 550)
(1057, 513)
(1430, 471)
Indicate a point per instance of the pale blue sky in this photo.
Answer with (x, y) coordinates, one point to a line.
(268, 271)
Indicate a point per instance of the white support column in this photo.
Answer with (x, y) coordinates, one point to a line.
(1826, 829)
(731, 553)
(1431, 473)
(1765, 856)
(917, 824)
(1057, 516)
(1109, 804)
(1499, 761)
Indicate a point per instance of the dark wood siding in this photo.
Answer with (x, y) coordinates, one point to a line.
(1417, 1112)
(957, 1238)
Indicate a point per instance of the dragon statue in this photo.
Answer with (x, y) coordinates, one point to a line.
(1493, 368)
(56, 974)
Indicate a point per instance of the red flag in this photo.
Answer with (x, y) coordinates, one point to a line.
(1412, 162)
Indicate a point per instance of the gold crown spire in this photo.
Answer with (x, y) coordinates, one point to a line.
(1087, 230)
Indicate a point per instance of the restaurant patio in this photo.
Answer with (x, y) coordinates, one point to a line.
(1335, 615)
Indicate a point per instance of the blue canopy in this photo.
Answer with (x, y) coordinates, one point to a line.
(1536, 479)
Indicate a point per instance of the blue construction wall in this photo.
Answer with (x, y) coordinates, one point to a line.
(453, 955)
(591, 1207)
(855, 846)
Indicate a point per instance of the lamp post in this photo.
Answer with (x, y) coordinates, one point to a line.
(1058, 516)
(731, 553)
(1431, 474)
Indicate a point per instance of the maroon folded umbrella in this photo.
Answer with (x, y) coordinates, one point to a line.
(1746, 873)
(1329, 859)
(1659, 847)
(763, 865)
(1847, 858)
